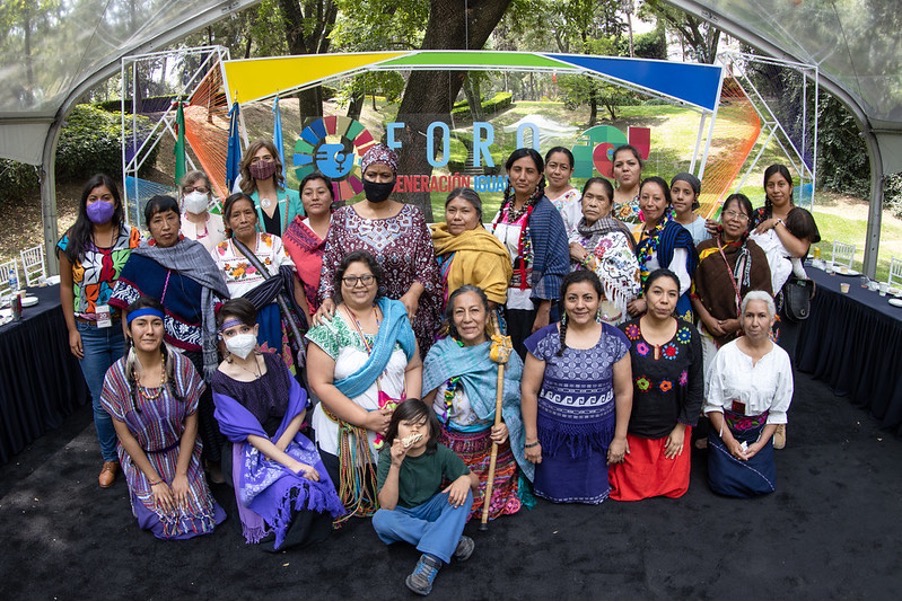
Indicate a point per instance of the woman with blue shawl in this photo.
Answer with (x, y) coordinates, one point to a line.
(181, 274)
(283, 492)
(460, 382)
(663, 243)
(361, 364)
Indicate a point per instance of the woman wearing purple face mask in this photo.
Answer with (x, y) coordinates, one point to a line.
(262, 180)
(91, 255)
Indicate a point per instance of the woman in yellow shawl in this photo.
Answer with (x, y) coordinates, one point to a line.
(467, 253)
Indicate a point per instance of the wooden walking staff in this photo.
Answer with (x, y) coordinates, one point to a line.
(500, 353)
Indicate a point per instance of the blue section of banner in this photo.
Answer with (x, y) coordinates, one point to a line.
(233, 158)
(277, 133)
(689, 82)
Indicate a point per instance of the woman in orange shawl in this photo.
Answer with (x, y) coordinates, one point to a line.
(467, 253)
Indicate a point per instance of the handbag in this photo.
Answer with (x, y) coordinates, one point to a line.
(797, 296)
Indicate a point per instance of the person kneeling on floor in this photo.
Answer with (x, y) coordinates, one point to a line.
(413, 506)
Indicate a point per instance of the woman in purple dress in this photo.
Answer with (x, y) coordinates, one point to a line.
(397, 236)
(576, 397)
(152, 395)
(282, 488)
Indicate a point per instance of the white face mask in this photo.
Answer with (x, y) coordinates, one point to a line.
(242, 344)
(196, 202)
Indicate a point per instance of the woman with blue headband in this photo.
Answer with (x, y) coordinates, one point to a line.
(152, 394)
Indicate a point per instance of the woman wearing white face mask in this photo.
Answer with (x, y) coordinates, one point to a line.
(198, 223)
(281, 486)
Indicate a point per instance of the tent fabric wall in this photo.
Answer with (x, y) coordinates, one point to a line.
(23, 142)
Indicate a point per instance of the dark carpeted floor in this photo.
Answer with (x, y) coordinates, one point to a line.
(833, 530)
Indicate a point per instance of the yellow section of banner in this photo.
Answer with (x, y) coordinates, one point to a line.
(253, 79)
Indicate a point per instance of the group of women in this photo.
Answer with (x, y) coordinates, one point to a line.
(206, 344)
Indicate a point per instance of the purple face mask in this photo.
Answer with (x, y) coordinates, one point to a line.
(263, 170)
(100, 212)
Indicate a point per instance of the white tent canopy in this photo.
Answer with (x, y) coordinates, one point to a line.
(53, 51)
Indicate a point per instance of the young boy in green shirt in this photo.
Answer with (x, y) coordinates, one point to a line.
(413, 506)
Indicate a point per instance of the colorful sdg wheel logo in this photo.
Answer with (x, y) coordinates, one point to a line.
(331, 146)
(595, 148)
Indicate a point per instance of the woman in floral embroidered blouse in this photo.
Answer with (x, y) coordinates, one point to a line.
(668, 387)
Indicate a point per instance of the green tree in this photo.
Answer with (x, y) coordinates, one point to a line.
(450, 26)
(377, 25)
(701, 37)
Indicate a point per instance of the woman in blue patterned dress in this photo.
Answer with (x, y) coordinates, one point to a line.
(152, 395)
(576, 397)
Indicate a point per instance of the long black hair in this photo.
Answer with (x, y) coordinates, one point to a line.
(569, 280)
(81, 233)
(131, 358)
(776, 168)
(540, 167)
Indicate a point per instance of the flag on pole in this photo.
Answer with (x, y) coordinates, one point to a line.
(277, 133)
(180, 169)
(233, 158)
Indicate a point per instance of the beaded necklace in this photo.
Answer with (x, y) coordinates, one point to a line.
(452, 385)
(144, 390)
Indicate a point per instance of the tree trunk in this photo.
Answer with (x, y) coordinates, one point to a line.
(593, 106)
(474, 98)
(315, 40)
(447, 28)
(355, 107)
(310, 104)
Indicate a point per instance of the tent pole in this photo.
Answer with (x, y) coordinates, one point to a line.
(875, 211)
(49, 215)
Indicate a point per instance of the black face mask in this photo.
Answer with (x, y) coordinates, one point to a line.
(376, 192)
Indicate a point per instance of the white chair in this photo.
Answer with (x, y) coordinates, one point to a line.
(5, 269)
(33, 265)
(895, 273)
(843, 254)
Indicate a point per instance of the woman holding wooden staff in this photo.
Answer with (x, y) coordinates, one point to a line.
(461, 381)
(576, 397)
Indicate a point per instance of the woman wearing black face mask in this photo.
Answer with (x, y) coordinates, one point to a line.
(397, 236)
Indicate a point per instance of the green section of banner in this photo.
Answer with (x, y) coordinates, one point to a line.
(489, 59)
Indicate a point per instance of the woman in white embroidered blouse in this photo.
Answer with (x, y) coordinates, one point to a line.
(749, 391)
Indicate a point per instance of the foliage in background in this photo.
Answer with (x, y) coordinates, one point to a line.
(90, 142)
(892, 194)
(499, 102)
(701, 37)
(17, 180)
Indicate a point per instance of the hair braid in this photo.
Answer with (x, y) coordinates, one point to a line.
(563, 336)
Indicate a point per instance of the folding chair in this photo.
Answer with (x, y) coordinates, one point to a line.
(33, 265)
(895, 273)
(5, 269)
(843, 254)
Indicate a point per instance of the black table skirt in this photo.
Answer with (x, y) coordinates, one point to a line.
(40, 380)
(853, 342)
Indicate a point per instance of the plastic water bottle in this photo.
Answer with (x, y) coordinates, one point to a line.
(14, 295)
